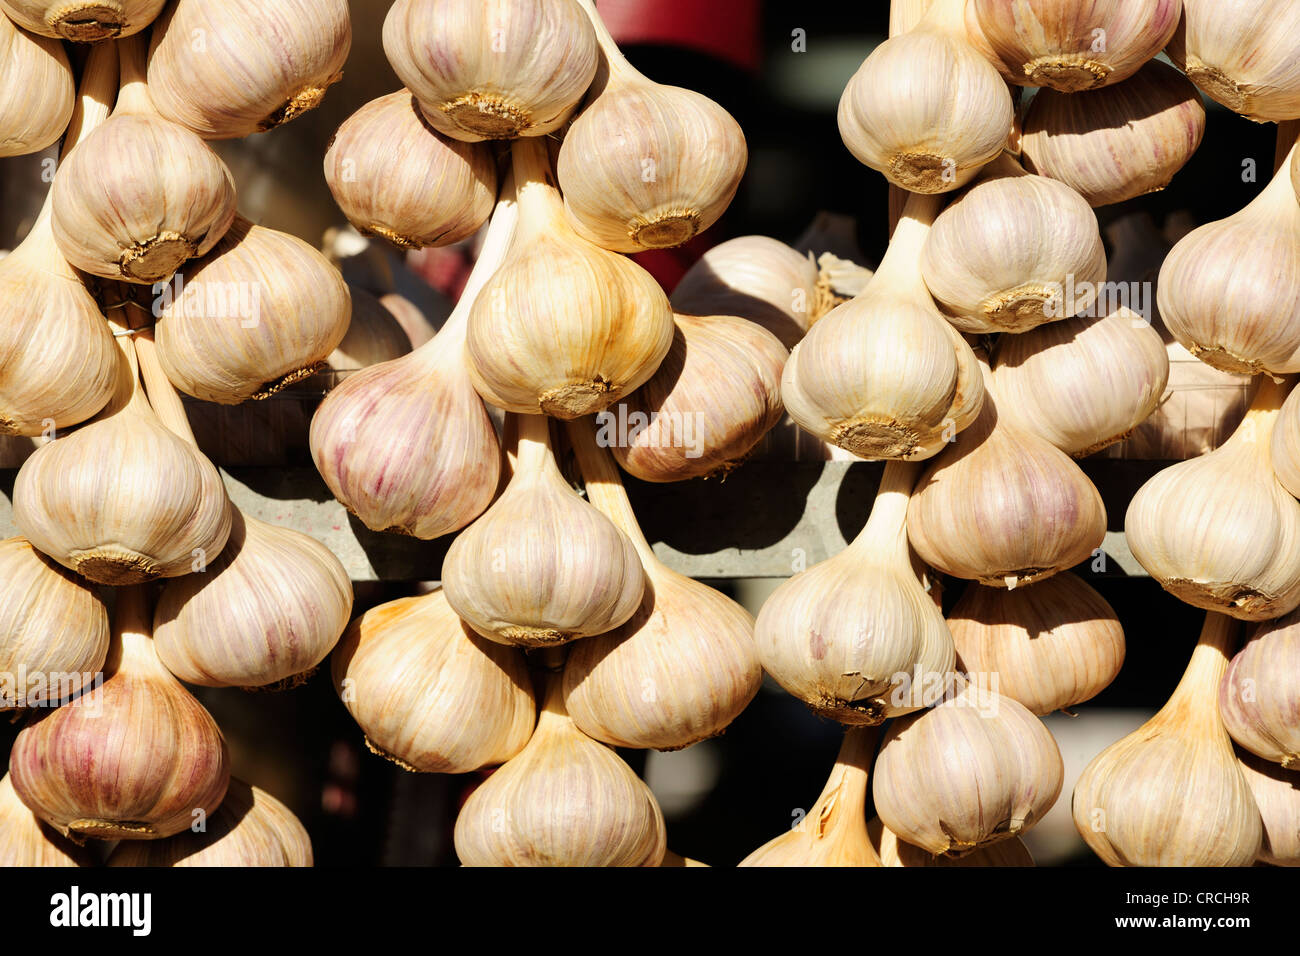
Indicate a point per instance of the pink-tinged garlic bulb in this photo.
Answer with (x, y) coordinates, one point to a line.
(37, 93)
(1277, 795)
(26, 841)
(83, 21)
(136, 759)
(1259, 700)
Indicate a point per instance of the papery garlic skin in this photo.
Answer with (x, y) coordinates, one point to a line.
(1284, 446)
(429, 693)
(260, 64)
(896, 852)
(1258, 698)
(26, 841)
(51, 623)
(1002, 764)
(441, 191)
(83, 21)
(492, 70)
(1277, 796)
(37, 93)
(374, 335)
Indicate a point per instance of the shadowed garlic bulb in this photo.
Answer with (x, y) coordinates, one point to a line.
(524, 814)
(564, 327)
(541, 566)
(374, 335)
(644, 165)
(884, 375)
(83, 21)
(492, 69)
(26, 841)
(37, 93)
(857, 638)
(1219, 532)
(1277, 797)
(1000, 764)
(834, 831)
(430, 694)
(1171, 793)
(896, 852)
(440, 192)
(51, 623)
(1259, 699)
(926, 109)
(231, 68)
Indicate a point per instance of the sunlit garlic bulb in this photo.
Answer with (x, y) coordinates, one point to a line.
(1277, 796)
(36, 91)
(896, 852)
(1259, 699)
(26, 841)
(83, 21)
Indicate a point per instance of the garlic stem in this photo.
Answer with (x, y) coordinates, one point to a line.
(133, 633)
(885, 533)
(1256, 426)
(160, 392)
(129, 392)
(539, 196)
(605, 487)
(902, 261)
(553, 710)
(945, 16)
(1196, 693)
(615, 62)
(133, 92)
(847, 785)
(533, 443)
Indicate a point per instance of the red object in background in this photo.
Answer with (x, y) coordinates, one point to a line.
(726, 29)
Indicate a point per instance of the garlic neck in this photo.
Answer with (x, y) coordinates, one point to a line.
(129, 394)
(159, 392)
(533, 449)
(616, 67)
(947, 17)
(844, 798)
(540, 207)
(1256, 427)
(605, 487)
(886, 530)
(554, 715)
(1002, 167)
(133, 94)
(133, 633)
(1195, 700)
(902, 262)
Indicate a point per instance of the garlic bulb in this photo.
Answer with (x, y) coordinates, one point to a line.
(1218, 531)
(672, 859)
(528, 348)
(407, 445)
(1230, 290)
(524, 814)
(541, 566)
(36, 91)
(83, 21)
(1243, 55)
(123, 500)
(139, 759)
(429, 694)
(857, 638)
(26, 841)
(1070, 46)
(896, 852)
(441, 191)
(1004, 507)
(883, 375)
(1084, 383)
(1284, 446)
(1048, 646)
(713, 398)
(1171, 793)
(757, 278)
(492, 69)
(231, 68)
(1000, 763)
(140, 195)
(53, 629)
(374, 335)
(1003, 254)
(251, 828)
(926, 109)
(1277, 796)
(682, 668)
(1118, 142)
(1259, 699)
(834, 831)
(260, 311)
(644, 165)
(265, 612)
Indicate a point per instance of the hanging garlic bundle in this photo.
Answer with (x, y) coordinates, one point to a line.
(564, 327)
(58, 364)
(260, 311)
(140, 195)
(251, 828)
(1259, 697)
(834, 831)
(83, 21)
(1218, 531)
(884, 375)
(374, 335)
(37, 93)
(1084, 383)
(857, 638)
(757, 278)
(896, 852)
(429, 694)
(1171, 792)
(644, 165)
(492, 69)
(407, 445)
(1000, 764)
(526, 813)
(1003, 254)
(541, 566)
(1230, 290)
(713, 398)
(1118, 142)
(1245, 55)
(51, 623)
(440, 192)
(1070, 46)
(139, 759)
(231, 68)
(26, 841)
(123, 500)
(682, 668)
(926, 109)
(1004, 507)
(1048, 646)
(1277, 797)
